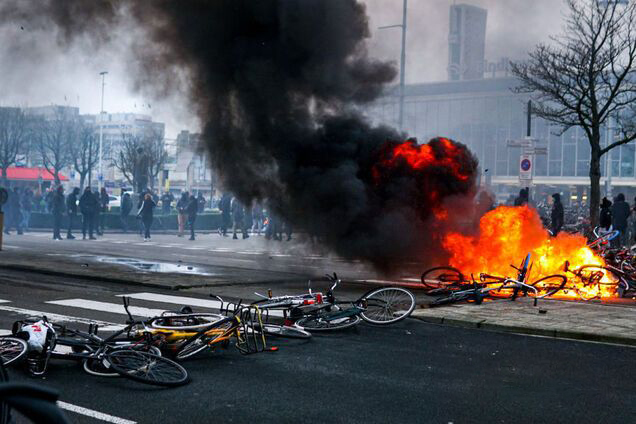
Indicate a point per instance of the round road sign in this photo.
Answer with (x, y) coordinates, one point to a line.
(526, 165)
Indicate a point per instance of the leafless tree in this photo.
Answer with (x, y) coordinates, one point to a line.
(54, 138)
(13, 133)
(84, 150)
(140, 158)
(585, 76)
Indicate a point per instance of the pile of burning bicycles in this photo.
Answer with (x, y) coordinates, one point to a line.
(616, 277)
(151, 351)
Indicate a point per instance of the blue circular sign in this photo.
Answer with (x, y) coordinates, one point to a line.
(526, 164)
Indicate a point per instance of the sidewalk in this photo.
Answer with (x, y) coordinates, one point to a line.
(551, 318)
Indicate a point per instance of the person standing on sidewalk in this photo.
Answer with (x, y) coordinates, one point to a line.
(620, 215)
(27, 207)
(200, 203)
(192, 209)
(557, 214)
(146, 213)
(124, 211)
(238, 216)
(57, 209)
(166, 203)
(87, 204)
(104, 200)
(71, 211)
(182, 206)
(257, 218)
(225, 206)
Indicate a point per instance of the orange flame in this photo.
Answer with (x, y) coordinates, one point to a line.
(507, 234)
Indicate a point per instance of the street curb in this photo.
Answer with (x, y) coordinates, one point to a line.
(536, 331)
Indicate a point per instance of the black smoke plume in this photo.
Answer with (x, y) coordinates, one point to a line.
(277, 85)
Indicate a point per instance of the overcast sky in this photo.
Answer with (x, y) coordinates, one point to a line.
(35, 71)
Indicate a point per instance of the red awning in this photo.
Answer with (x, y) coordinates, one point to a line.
(31, 174)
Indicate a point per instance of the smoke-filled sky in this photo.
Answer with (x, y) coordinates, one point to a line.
(34, 70)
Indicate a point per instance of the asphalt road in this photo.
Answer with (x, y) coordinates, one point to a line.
(410, 372)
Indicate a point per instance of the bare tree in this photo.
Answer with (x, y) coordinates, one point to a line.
(585, 76)
(13, 133)
(154, 145)
(54, 139)
(84, 150)
(140, 158)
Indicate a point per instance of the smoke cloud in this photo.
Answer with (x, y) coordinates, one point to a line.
(277, 85)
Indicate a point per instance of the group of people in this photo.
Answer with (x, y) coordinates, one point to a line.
(615, 216)
(243, 219)
(91, 205)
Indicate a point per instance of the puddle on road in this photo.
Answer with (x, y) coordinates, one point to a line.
(150, 266)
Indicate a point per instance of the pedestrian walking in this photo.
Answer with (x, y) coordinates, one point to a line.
(257, 218)
(48, 199)
(182, 217)
(71, 211)
(58, 205)
(27, 208)
(238, 216)
(605, 219)
(166, 202)
(192, 209)
(225, 206)
(146, 213)
(124, 211)
(88, 203)
(620, 215)
(100, 218)
(557, 214)
(200, 203)
(15, 211)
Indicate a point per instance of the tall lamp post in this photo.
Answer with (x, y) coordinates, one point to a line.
(402, 62)
(100, 177)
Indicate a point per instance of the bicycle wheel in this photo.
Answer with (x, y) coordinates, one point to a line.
(592, 281)
(548, 286)
(5, 409)
(325, 323)
(387, 305)
(102, 368)
(147, 368)
(12, 349)
(283, 331)
(442, 276)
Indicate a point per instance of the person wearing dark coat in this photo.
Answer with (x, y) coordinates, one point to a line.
(523, 197)
(225, 206)
(192, 209)
(605, 219)
(71, 211)
(88, 204)
(182, 206)
(146, 213)
(557, 214)
(58, 206)
(620, 215)
(124, 211)
(200, 203)
(166, 200)
(12, 211)
(238, 218)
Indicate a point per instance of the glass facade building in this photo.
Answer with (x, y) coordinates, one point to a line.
(484, 114)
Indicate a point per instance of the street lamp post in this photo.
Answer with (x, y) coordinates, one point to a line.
(402, 62)
(100, 177)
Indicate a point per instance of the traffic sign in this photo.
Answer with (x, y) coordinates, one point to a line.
(536, 151)
(100, 177)
(525, 167)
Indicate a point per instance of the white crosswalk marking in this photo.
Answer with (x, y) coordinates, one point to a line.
(106, 326)
(93, 414)
(183, 300)
(114, 308)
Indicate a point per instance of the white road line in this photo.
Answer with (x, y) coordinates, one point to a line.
(6, 246)
(119, 241)
(93, 414)
(194, 248)
(183, 300)
(104, 325)
(5, 332)
(280, 255)
(4, 301)
(250, 252)
(114, 308)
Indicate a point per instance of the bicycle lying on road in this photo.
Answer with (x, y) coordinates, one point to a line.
(322, 312)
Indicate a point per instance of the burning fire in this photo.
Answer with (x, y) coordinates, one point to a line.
(507, 234)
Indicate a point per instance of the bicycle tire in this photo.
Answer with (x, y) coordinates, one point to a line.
(208, 319)
(450, 300)
(147, 368)
(383, 303)
(98, 367)
(320, 323)
(546, 287)
(592, 290)
(12, 349)
(441, 276)
(5, 409)
(284, 331)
